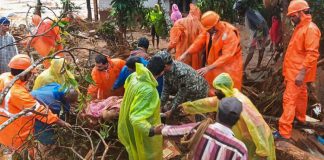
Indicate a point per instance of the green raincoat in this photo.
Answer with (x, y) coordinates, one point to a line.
(140, 111)
(156, 18)
(55, 73)
(251, 128)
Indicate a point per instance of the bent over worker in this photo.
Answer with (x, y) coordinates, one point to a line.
(251, 128)
(223, 49)
(299, 66)
(181, 81)
(18, 99)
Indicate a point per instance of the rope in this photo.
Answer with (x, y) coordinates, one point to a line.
(193, 141)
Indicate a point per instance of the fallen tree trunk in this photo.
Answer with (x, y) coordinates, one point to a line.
(287, 151)
(318, 126)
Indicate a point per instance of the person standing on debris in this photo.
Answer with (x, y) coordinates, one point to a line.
(223, 49)
(299, 66)
(182, 81)
(176, 14)
(183, 34)
(58, 100)
(251, 127)
(8, 48)
(156, 19)
(104, 74)
(19, 99)
(217, 140)
(57, 72)
(140, 113)
(259, 30)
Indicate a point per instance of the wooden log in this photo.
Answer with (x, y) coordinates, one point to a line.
(318, 126)
(287, 151)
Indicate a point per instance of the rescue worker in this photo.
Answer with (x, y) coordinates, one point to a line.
(183, 34)
(59, 101)
(259, 30)
(251, 128)
(57, 72)
(299, 66)
(140, 113)
(223, 49)
(182, 81)
(104, 75)
(18, 99)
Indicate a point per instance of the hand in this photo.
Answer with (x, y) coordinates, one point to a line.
(166, 114)
(182, 57)
(158, 129)
(300, 78)
(62, 123)
(203, 71)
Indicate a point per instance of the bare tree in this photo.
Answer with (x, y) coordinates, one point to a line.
(38, 7)
(89, 10)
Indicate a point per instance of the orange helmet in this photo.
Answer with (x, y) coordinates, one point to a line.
(297, 5)
(20, 61)
(209, 19)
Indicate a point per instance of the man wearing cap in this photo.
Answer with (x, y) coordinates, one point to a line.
(251, 128)
(223, 49)
(299, 66)
(182, 81)
(6, 53)
(217, 140)
(18, 99)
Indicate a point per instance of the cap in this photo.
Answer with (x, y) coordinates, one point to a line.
(229, 110)
(4, 21)
(20, 61)
(209, 19)
(297, 5)
(166, 56)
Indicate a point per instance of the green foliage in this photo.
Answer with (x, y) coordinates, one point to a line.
(223, 8)
(126, 11)
(317, 11)
(107, 30)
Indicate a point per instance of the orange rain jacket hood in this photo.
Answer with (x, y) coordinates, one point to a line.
(183, 34)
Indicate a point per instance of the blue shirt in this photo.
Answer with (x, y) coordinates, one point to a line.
(125, 72)
(53, 96)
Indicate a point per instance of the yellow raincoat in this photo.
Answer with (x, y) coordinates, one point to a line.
(55, 73)
(251, 127)
(140, 111)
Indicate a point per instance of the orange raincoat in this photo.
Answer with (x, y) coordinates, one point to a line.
(225, 53)
(302, 52)
(105, 80)
(48, 42)
(183, 34)
(17, 132)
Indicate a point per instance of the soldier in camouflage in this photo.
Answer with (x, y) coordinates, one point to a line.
(182, 81)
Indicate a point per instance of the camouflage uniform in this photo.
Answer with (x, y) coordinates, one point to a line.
(183, 82)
